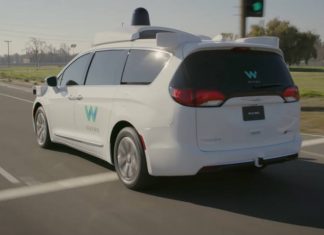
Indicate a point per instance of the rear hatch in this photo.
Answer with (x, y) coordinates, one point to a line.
(243, 98)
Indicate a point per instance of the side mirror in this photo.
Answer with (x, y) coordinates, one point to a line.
(72, 83)
(51, 81)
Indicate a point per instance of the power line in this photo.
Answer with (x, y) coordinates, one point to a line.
(8, 45)
(52, 37)
(30, 32)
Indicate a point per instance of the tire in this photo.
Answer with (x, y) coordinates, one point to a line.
(130, 161)
(41, 129)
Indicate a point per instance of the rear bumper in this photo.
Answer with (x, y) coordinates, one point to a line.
(178, 160)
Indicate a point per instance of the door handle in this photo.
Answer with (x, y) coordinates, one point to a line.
(79, 97)
(71, 97)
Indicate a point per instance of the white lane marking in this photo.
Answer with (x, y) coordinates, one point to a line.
(315, 135)
(8, 176)
(307, 143)
(17, 87)
(14, 193)
(16, 98)
(313, 154)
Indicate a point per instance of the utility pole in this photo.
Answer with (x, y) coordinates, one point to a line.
(243, 19)
(8, 45)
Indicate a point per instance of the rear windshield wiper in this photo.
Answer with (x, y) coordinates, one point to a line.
(267, 85)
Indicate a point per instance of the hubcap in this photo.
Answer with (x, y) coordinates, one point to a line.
(127, 160)
(41, 128)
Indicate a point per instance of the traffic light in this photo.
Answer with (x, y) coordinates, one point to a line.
(254, 8)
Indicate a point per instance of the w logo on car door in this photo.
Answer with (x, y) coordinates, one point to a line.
(91, 113)
(251, 74)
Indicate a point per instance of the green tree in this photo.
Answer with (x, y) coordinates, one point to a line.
(308, 46)
(296, 46)
(257, 30)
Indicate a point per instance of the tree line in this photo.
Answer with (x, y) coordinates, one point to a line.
(297, 46)
(38, 53)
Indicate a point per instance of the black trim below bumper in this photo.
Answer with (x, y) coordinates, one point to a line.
(263, 162)
(281, 159)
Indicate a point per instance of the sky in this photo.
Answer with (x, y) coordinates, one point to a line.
(77, 21)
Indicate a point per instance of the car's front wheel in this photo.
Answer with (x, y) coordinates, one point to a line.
(41, 129)
(129, 159)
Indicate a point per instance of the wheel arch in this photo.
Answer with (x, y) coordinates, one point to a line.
(113, 136)
(48, 142)
(36, 106)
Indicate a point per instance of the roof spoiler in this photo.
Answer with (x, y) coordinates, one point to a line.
(266, 41)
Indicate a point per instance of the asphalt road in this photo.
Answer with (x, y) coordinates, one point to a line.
(63, 191)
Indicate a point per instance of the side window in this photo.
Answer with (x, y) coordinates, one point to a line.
(143, 66)
(75, 73)
(107, 67)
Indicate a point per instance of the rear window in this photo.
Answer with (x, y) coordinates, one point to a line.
(234, 72)
(143, 66)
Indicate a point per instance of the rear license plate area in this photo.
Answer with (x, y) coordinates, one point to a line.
(253, 113)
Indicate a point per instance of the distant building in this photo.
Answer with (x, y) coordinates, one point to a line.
(26, 61)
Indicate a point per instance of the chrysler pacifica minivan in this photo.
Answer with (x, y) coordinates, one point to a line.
(156, 101)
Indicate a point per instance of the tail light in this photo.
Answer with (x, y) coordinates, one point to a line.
(197, 98)
(291, 94)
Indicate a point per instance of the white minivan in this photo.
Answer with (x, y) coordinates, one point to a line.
(156, 101)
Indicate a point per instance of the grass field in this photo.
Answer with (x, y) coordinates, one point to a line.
(311, 84)
(28, 74)
(312, 122)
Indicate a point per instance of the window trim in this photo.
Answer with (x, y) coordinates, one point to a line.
(92, 54)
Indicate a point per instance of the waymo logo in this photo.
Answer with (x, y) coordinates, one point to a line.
(91, 113)
(251, 74)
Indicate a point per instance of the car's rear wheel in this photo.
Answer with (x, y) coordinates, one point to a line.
(129, 160)
(41, 128)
